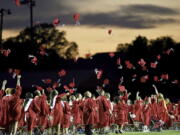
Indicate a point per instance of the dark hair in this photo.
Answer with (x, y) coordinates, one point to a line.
(13, 91)
(37, 93)
(116, 99)
(28, 95)
(54, 92)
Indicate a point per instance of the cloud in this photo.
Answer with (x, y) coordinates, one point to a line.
(148, 9)
(132, 16)
(127, 21)
(136, 16)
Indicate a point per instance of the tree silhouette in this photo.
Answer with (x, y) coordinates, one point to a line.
(48, 37)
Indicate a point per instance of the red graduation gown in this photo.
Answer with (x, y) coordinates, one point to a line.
(121, 114)
(89, 111)
(103, 110)
(146, 114)
(67, 114)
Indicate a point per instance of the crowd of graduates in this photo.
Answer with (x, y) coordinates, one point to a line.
(124, 88)
(65, 113)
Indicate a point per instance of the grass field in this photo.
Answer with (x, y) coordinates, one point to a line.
(149, 133)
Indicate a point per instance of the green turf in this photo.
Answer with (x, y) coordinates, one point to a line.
(149, 133)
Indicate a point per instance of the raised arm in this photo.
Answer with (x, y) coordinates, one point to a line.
(137, 95)
(18, 80)
(4, 85)
(129, 94)
(156, 90)
(18, 87)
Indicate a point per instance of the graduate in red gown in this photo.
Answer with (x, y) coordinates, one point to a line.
(121, 114)
(138, 108)
(33, 112)
(3, 106)
(76, 111)
(109, 113)
(115, 114)
(96, 112)
(13, 106)
(89, 110)
(146, 114)
(78, 119)
(162, 111)
(154, 108)
(45, 111)
(66, 115)
(57, 111)
(26, 104)
(177, 112)
(103, 109)
(125, 95)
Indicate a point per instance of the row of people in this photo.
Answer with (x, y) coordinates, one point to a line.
(56, 113)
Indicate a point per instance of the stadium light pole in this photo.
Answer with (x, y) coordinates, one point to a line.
(32, 4)
(2, 13)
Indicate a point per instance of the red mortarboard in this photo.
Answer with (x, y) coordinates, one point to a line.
(111, 54)
(99, 74)
(155, 78)
(72, 84)
(129, 65)
(165, 76)
(66, 87)
(39, 88)
(88, 55)
(142, 62)
(17, 2)
(76, 17)
(106, 81)
(109, 32)
(62, 73)
(34, 59)
(49, 89)
(158, 57)
(118, 62)
(144, 78)
(169, 51)
(6, 52)
(154, 64)
(56, 84)
(56, 21)
(121, 88)
(47, 81)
